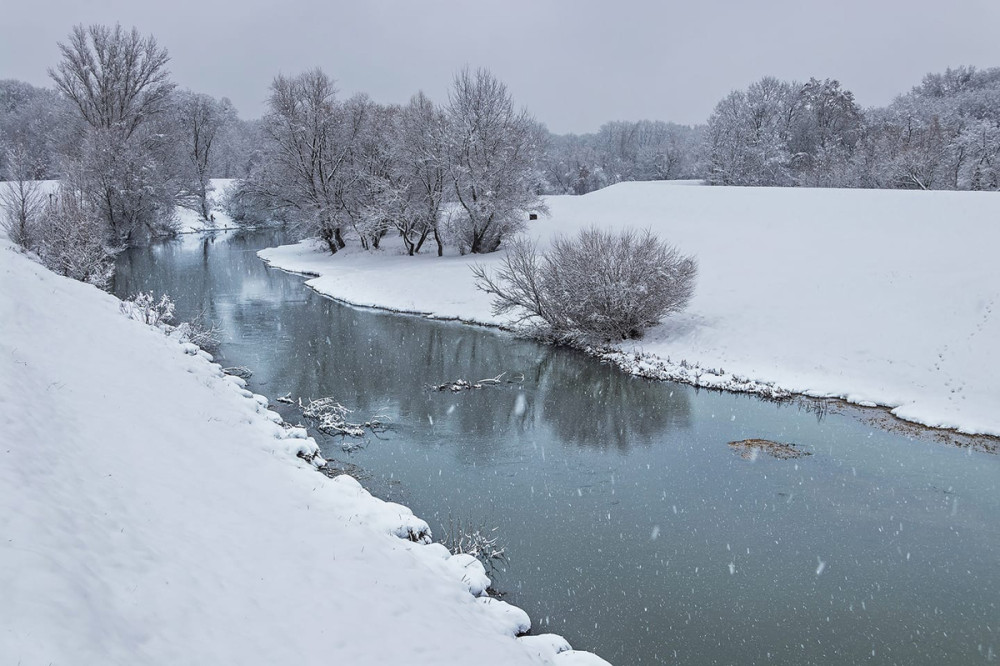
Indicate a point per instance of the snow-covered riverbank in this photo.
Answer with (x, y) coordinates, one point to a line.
(885, 298)
(156, 513)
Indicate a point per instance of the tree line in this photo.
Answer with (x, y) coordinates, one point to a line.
(462, 173)
(943, 134)
(128, 146)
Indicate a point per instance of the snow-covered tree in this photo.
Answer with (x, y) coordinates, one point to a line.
(747, 135)
(369, 192)
(202, 121)
(119, 83)
(35, 121)
(420, 149)
(825, 130)
(493, 149)
(306, 154)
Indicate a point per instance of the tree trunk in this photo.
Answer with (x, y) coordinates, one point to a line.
(420, 243)
(328, 237)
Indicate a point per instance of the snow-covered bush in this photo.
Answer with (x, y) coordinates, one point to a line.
(145, 308)
(596, 287)
(199, 331)
(70, 239)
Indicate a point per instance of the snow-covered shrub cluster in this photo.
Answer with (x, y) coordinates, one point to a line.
(68, 236)
(144, 307)
(597, 287)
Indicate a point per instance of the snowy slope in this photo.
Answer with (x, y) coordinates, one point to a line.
(878, 297)
(155, 514)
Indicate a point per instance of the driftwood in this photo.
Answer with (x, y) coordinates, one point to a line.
(749, 449)
(286, 399)
(330, 418)
(463, 385)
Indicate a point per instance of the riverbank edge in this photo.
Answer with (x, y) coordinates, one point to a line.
(396, 519)
(648, 365)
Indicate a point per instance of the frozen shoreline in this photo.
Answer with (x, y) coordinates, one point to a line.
(165, 515)
(877, 298)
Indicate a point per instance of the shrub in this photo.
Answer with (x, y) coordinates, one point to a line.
(596, 287)
(145, 308)
(70, 239)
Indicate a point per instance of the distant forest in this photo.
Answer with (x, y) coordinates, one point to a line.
(942, 134)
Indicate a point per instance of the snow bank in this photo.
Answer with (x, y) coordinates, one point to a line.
(156, 514)
(877, 297)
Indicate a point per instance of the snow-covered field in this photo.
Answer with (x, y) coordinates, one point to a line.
(878, 297)
(155, 513)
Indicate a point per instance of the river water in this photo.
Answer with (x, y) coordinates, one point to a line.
(630, 525)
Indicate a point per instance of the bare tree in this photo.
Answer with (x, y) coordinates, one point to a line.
(116, 78)
(493, 153)
(21, 198)
(202, 121)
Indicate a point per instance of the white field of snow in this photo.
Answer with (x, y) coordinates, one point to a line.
(878, 297)
(155, 513)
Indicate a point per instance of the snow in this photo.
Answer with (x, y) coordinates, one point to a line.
(877, 297)
(190, 221)
(156, 514)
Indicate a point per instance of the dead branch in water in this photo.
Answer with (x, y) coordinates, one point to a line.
(463, 385)
(330, 418)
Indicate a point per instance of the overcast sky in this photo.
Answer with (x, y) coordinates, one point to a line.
(574, 65)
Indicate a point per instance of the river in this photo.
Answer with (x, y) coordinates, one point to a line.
(631, 527)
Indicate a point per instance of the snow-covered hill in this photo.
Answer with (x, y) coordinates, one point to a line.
(155, 513)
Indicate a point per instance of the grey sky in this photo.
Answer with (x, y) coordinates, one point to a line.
(574, 65)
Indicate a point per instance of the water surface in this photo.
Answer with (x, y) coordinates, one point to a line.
(631, 527)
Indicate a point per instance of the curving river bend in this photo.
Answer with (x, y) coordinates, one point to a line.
(631, 527)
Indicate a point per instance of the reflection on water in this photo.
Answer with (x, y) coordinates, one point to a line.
(631, 526)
